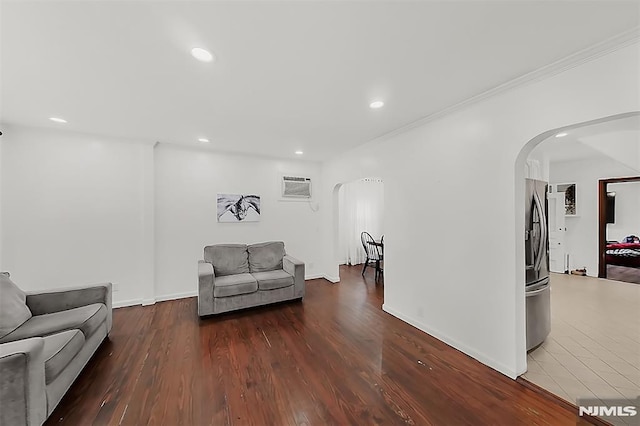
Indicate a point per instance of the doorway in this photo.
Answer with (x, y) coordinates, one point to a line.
(360, 209)
(593, 343)
(558, 261)
(619, 229)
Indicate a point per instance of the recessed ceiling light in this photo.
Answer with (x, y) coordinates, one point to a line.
(376, 104)
(204, 140)
(58, 120)
(561, 135)
(201, 54)
(299, 152)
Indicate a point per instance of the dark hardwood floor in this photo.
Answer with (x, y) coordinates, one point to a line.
(623, 273)
(334, 359)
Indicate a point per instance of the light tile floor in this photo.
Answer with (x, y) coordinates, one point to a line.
(593, 350)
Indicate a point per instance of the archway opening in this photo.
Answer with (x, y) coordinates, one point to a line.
(584, 313)
(359, 210)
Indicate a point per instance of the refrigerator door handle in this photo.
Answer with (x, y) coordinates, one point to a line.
(538, 291)
(543, 230)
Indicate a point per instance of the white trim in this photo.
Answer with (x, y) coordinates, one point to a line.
(8, 126)
(331, 278)
(498, 366)
(125, 303)
(186, 294)
(574, 60)
(313, 277)
(174, 296)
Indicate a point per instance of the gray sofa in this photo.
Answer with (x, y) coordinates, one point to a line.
(46, 339)
(237, 276)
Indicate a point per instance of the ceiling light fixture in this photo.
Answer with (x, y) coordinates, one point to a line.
(58, 120)
(376, 104)
(299, 152)
(203, 140)
(561, 135)
(201, 54)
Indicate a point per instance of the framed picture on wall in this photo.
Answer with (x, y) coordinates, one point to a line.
(238, 208)
(569, 189)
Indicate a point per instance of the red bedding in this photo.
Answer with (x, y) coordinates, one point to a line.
(623, 254)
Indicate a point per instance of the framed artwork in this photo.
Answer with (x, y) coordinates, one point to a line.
(569, 189)
(238, 208)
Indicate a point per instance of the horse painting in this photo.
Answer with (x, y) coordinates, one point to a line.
(239, 207)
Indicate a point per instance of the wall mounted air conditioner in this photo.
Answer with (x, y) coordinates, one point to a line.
(296, 187)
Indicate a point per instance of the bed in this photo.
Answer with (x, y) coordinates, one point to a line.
(623, 254)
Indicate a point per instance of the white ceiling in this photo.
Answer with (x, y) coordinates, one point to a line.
(289, 75)
(569, 149)
(615, 139)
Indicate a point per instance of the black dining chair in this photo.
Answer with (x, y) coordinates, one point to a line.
(373, 251)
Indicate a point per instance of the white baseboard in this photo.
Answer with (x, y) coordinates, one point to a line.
(153, 300)
(489, 362)
(175, 296)
(125, 303)
(183, 295)
(313, 277)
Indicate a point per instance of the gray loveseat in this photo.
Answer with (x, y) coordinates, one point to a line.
(237, 276)
(46, 339)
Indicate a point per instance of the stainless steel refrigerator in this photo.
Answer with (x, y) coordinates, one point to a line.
(537, 286)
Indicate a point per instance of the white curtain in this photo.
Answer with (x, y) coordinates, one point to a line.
(361, 209)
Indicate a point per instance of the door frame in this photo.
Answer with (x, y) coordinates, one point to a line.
(602, 219)
(559, 205)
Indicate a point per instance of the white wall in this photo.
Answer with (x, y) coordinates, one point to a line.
(72, 211)
(627, 210)
(623, 146)
(187, 182)
(79, 209)
(537, 166)
(1, 232)
(581, 238)
(454, 204)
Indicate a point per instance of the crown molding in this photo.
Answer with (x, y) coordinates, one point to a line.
(9, 127)
(581, 57)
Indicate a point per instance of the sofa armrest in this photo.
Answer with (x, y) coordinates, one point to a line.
(61, 299)
(295, 267)
(23, 396)
(206, 280)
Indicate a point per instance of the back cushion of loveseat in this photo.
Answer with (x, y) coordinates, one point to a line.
(265, 257)
(227, 259)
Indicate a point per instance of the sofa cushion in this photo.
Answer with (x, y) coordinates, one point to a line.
(13, 307)
(234, 285)
(86, 318)
(271, 280)
(59, 350)
(227, 259)
(266, 256)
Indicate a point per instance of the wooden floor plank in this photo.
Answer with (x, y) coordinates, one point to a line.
(334, 359)
(623, 273)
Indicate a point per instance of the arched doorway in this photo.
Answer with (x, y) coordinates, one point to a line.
(358, 207)
(583, 357)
